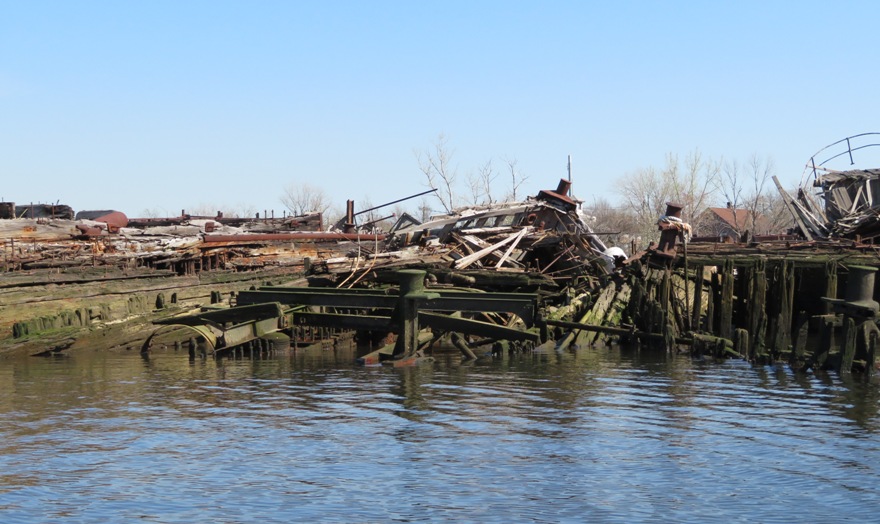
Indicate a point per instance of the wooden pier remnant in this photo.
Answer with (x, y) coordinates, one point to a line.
(768, 302)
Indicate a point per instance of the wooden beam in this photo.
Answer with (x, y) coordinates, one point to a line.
(470, 259)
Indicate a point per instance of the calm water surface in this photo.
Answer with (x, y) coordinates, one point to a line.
(601, 435)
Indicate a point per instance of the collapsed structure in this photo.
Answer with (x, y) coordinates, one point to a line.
(538, 246)
(517, 275)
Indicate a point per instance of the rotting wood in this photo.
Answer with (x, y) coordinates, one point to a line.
(848, 349)
(470, 259)
(799, 355)
(695, 323)
(757, 326)
(725, 327)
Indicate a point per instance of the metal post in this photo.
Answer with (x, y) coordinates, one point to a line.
(412, 286)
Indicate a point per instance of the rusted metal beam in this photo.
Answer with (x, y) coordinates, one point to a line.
(264, 237)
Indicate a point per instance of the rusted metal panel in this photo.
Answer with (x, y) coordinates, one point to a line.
(60, 211)
(116, 219)
(276, 237)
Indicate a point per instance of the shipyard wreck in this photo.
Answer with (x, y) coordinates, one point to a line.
(519, 276)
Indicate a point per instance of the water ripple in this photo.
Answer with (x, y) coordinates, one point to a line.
(594, 435)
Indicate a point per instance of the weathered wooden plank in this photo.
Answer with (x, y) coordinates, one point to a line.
(725, 321)
(830, 285)
(757, 326)
(848, 349)
(698, 299)
(799, 353)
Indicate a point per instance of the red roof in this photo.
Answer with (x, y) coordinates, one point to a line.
(737, 218)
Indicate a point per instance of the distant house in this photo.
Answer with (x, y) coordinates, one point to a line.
(729, 224)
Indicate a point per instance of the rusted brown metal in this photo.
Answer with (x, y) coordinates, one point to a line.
(670, 231)
(560, 195)
(276, 237)
(114, 219)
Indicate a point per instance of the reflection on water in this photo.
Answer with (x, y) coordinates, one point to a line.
(598, 434)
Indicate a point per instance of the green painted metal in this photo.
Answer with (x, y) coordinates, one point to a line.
(405, 312)
(475, 327)
(229, 327)
(523, 305)
(204, 331)
(336, 320)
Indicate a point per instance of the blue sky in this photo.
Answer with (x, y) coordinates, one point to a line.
(178, 105)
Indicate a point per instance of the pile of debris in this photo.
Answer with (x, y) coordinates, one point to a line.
(507, 276)
(851, 197)
(185, 244)
(544, 238)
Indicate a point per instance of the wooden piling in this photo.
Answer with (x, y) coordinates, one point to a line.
(725, 321)
(848, 349)
(714, 303)
(830, 284)
(741, 342)
(664, 297)
(784, 296)
(698, 299)
(757, 325)
(799, 353)
(459, 341)
(826, 341)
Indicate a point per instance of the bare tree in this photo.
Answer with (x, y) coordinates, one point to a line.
(480, 184)
(377, 219)
(731, 183)
(615, 225)
(151, 213)
(744, 187)
(440, 175)
(775, 216)
(517, 179)
(646, 191)
(487, 177)
(243, 210)
(692, 187)
(760, 171)
(371, 215)
(303, 198)
(644, 194)
(424, 212)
